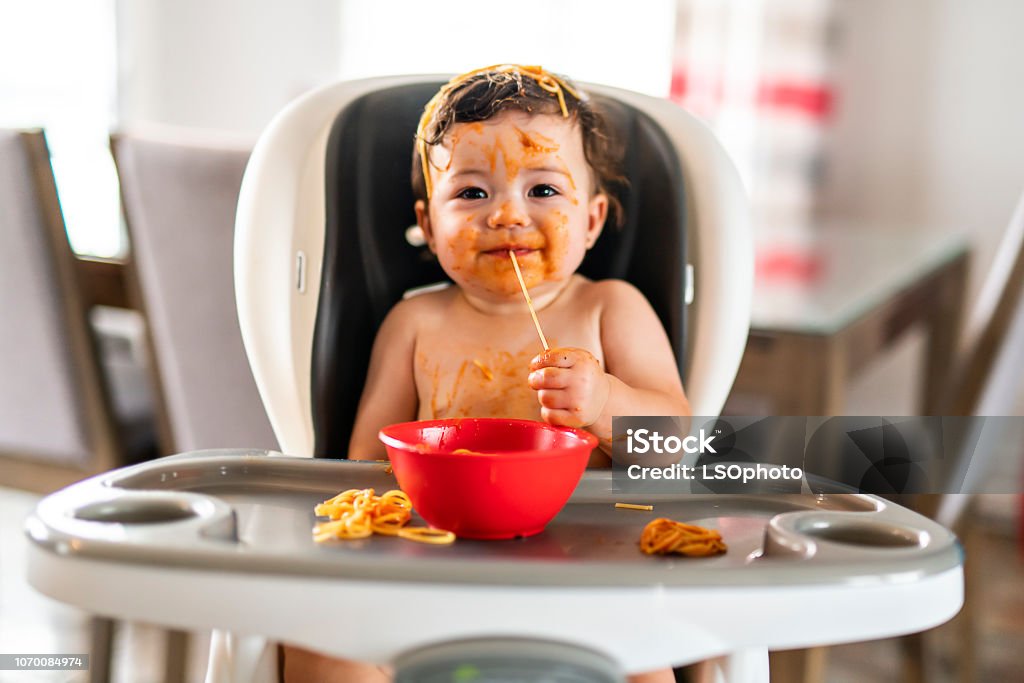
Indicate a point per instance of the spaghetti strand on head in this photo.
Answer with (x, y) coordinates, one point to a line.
(483, 94)
(546, 81)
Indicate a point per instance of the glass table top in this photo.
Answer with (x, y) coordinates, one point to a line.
(830, 277)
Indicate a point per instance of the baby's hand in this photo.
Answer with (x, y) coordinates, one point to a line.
(571, 386)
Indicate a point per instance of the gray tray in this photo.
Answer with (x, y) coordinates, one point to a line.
(252, 511)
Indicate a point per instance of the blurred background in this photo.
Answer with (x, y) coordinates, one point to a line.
(880, 144)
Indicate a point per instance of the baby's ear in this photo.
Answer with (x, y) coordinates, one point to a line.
(423, 220)
(597, 212)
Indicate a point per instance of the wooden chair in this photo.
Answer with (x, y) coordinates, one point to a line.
(996, 324)
(985, 381)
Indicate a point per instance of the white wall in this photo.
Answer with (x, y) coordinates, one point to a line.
(876, 154)
(604, 41)
(975, 128)
(928, 129)
(928, 133)
(221, 64)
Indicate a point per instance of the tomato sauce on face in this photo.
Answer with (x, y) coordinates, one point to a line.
(517, 175)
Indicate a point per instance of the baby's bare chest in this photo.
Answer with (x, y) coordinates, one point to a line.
(479, 368)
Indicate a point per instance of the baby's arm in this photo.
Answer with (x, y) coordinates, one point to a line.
(640, 375)
(389, 395)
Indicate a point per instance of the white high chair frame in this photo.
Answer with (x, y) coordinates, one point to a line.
(277, 274)
(277, 271)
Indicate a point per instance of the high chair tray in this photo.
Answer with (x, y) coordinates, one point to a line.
(253, 512)
(223, 540)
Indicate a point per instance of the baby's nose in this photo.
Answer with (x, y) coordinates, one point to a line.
(509, 213)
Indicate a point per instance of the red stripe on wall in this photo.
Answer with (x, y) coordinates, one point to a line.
(677, 91)
(813, 99)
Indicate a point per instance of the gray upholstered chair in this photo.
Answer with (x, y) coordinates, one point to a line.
(57, 418)
(179, 193)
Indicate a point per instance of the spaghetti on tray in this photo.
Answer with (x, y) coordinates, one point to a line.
(664, 536)
(360, 513)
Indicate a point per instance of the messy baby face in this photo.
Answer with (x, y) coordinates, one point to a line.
(515, 182)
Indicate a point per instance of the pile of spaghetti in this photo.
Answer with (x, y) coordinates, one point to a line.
(663, 536)
(359, 513)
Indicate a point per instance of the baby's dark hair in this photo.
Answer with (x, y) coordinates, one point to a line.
(483, 94)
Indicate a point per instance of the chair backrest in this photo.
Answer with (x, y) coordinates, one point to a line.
(988, 378)
(179, 193)
(320, 253)
(983, 382)
(56, 422)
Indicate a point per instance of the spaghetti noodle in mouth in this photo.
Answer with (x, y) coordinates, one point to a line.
(555, 85)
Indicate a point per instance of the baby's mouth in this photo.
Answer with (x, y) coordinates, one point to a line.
(502, 251)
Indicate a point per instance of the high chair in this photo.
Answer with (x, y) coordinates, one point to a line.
(321, 254)
(322, 248)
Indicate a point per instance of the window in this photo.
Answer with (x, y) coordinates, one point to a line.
(602, 41)
(757, 72)
(58, 71)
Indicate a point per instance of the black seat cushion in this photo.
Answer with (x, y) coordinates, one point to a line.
(368, 264)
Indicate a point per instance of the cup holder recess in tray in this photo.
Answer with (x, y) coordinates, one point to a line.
(864, 534)
(838, 535)
(137, 510)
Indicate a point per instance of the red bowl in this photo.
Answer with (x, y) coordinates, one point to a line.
(515, 479)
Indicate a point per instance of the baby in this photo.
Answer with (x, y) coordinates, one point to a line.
(512, 158)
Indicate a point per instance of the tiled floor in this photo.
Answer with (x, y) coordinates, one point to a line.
(32, 623)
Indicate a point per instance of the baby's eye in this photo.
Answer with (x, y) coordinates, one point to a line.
(542, 191)
(471, 193)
